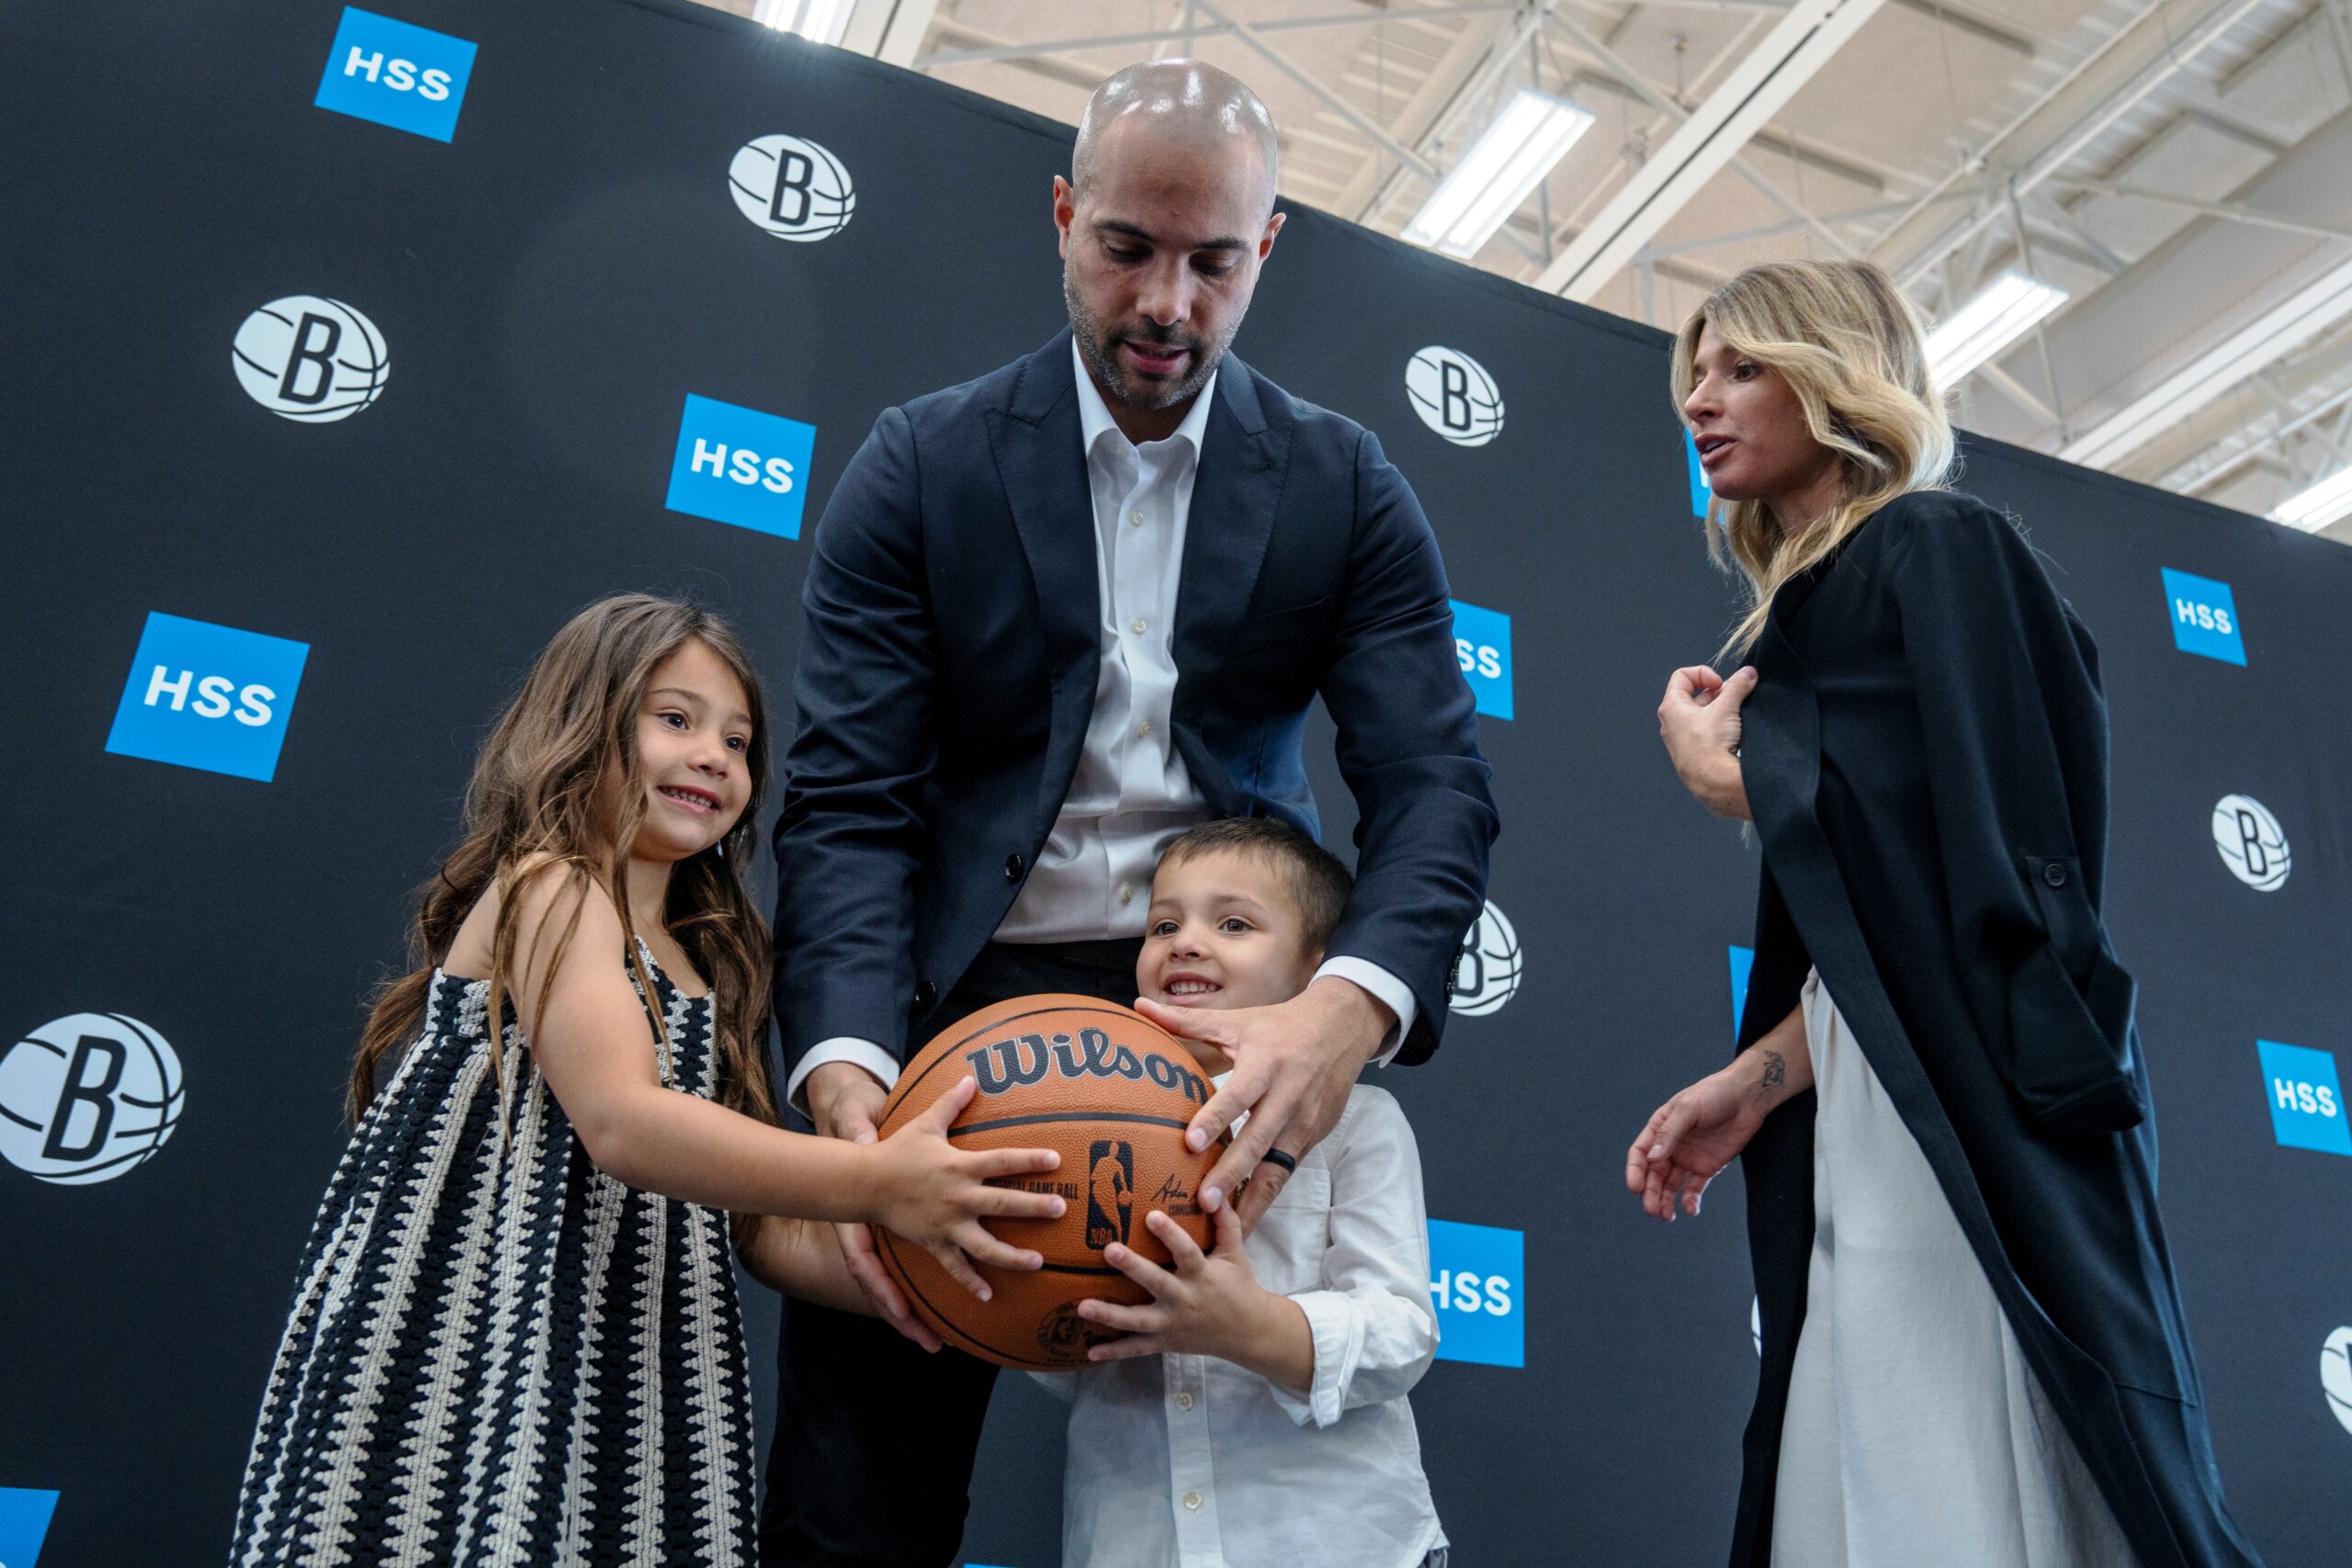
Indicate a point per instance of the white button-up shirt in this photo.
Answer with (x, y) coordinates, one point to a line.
(1187, 1461)
(1131, 796)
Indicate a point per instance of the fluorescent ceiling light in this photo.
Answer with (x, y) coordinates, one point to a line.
(2003, 311)
(2299, 318)
(2317, 507)
(1509, 159)
(818, 21)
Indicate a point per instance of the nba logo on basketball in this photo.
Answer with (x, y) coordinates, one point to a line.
(1110, 1192)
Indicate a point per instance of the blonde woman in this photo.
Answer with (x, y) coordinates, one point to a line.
(1974, 1352)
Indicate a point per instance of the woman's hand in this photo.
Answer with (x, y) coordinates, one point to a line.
(1692, 1137)
(1699, 720)
(934, 1195)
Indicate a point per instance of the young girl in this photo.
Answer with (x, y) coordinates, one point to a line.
(514, 1335)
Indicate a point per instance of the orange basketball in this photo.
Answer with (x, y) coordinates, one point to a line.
(1113, 1094)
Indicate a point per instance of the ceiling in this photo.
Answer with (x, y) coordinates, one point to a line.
(2183, 169)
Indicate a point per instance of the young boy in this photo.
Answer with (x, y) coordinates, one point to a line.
(1256, 1412)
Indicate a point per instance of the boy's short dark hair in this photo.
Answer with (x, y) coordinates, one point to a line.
(1319, 885)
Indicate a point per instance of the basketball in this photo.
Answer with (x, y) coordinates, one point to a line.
(1113, 1094)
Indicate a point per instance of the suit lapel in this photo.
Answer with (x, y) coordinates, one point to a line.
(1041, 465)
(1234, 491)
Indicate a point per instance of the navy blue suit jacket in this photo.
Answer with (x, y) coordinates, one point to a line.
(948, 665)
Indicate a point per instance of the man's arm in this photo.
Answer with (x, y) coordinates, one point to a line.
(850, 839)
(1409, 749)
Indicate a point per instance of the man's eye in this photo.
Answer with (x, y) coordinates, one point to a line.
(1215, 269)
(1124, 254)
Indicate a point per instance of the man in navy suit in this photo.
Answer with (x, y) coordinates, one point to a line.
(1055, 616)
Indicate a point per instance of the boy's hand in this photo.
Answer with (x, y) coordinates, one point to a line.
(1210, 1306)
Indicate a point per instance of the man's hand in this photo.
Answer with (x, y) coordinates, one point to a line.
(1699, 720)
(1293, 1064)
(843, 1100)
(1209, 1306)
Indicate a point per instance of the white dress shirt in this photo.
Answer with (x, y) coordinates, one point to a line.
(1187, 1461)
(1131, 796)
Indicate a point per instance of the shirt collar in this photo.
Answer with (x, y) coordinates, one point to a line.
(1095, 414)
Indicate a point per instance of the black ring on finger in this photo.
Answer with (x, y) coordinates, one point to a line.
(1280, 1160)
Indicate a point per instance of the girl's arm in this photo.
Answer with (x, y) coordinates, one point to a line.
(1692, 1136)
(801, 1258)
(596, 1047)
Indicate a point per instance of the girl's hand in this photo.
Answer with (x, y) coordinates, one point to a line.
(934, 1195)
(1699, 720)
(1210, 1306)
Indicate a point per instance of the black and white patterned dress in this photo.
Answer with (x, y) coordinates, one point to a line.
(496, 1353)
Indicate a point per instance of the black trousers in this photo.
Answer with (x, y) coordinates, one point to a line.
(872, 1465)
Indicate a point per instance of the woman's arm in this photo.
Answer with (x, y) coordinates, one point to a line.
(1692, 1137)
(596, 1047)
(1699, 720)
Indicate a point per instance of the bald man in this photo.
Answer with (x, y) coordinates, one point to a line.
(1053, 617)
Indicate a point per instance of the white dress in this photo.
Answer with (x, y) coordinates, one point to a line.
(1915, 1433)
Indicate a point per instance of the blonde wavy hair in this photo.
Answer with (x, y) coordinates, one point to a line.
(1850, 344)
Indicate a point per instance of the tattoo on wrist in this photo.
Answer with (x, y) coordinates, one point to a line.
(1775, 1073)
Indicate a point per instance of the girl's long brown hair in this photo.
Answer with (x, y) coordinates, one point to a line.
(533, 808)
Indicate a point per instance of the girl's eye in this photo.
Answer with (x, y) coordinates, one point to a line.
(1233, 923)
(1163, 927)
(738, 743)
(1743, 372)
(677, 720)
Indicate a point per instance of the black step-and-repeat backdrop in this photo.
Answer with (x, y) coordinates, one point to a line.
(345, 354)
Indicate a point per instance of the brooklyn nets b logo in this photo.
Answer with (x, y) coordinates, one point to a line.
(1454, 396)
(1486, 972)
(794, 189)
(86, 1098)
(311, 359)
(1110, 1192)
(2251, 842)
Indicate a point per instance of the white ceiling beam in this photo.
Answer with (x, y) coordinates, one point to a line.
(2159, 58)
(1213, 29)
(888, 30)
(1786, 58)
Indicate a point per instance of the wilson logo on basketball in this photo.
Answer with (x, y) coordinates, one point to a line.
(1024, 1059)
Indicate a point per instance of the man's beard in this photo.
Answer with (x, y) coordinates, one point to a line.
(1101, 354)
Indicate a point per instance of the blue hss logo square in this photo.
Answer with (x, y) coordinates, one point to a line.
(2306, 1098)
(1476, 1275)
(24, 1523)
(395, 74)
(739, 466)
(1482, 646)
(206, 696)
(2204, 617)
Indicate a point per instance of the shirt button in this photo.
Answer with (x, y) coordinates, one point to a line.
(1126, 893)
(1193, 1501)
(1143, 729)
(1183, 1401)
(2054, 875)
(1135, 519)
(1138, 626)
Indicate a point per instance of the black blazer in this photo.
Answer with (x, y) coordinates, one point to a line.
(948, 665)
(1925, 760)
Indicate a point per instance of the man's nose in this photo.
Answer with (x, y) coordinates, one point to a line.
(1166, 298)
